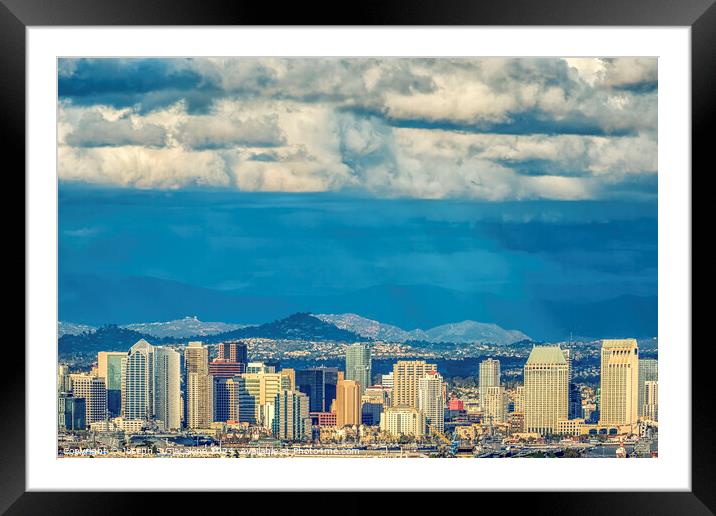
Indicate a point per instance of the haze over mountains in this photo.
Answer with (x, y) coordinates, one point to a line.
(132, 299)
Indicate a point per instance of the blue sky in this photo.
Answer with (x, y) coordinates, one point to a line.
(521, 178)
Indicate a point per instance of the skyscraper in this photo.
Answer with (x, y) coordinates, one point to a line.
(406, 374)
(167, 388)
(94, 392)
(651, 400)
(71, 413)
(348, 408)
(489, 376)
(264, 387)
(648, 371)
(431, 400)
(358, 365)
(63, 378)
(494, 405)
(619, 382)
(232, 352)
(291, 421)
(109, 367)
(233, 401)
(138, 382)
(319, 384)
(546, 389)
(199, 386)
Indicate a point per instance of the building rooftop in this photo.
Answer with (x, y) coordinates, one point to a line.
(546, 355)
(619, 343)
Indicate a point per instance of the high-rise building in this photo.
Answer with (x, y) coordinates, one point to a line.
(199, 386)
(651, 400)
(386, 380)
(403, 421)
(109, 367)
(494, 405)
(260, 367)
(319, 384)
(138, 382)
(232, 352)
(222, 368)
(71, 413)
(291, 421)
(358, 365)
(619, 382)
(233, 401)
(648, 371)
(63, 378)
(264, 387)
(348, 409)
(431, 400)
(519, 399)
(94, 392)
(167, 388)
(489, 375)
(406, 374)
(546, 389)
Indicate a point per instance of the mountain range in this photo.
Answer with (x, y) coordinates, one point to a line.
(95, 300)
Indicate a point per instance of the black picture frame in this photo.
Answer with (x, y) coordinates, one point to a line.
(17, 15)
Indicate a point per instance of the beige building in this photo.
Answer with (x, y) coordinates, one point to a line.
(291, 420)
(348, 406)
(431, 400)
(264, 387)
(406, 374)
(94, 392)
(494, 405)
(546, 389)
(199, 386)
(397, 421)
(619, 385)
(519, 399)
(489, 375)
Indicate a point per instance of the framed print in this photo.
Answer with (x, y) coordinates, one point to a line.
(413, 253)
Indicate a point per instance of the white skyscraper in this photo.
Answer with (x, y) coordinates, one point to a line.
(489, 376)
(358, 365)
(138, 382)
(494, 405)
(431, 400)
(167, 388)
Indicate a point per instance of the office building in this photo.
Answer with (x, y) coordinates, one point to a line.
(138, 382)
(167, 388)
(109, 368)
(319, 384)
(651, 400)
(648, 371)
(348, 410)
(71, 413)
(223, 368)
(291, 421)
(431, 400)
(94, 392)
(199, 386)
(489, 375)
(63, 378)
(403, 421)
(386, 380)
(406, 374)
(264, 387)
(546, 389)
(358, 365)
(232, 352)
(233, 401)
(619, 383)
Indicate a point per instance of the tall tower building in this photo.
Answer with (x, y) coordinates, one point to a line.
(406, 374)
(348, 408)
(167, 388)
(619, 382)
(489, 376)
(651, 400)
(319, 384)
(431, 400)
(291, 421)
(648, 371)
(494, 405)
(233, 401)
(63, 378)
(138, 382)
(546, 389)
(199, 386)
(358, 365)
(93, 391)
(232, 352)
(264, 387)
(109, 367)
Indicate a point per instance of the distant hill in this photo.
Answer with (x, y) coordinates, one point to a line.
(185, 327)
(69, 328)
(299, 326)
(105, 338)
(460, 332)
